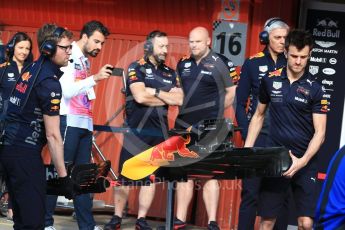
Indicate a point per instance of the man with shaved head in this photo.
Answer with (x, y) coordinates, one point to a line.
(208, 82)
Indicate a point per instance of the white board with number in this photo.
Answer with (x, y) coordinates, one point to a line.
(229, 38)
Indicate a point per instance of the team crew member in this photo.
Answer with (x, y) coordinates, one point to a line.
(32, 120)
(207, 81)
(18, 55)
(330, 211)
(253, 69)
(152, 88)
(298, 122)
(76, 114)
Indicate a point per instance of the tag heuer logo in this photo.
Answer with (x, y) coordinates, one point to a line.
(263, 68)
(277, 85)
(313, 69)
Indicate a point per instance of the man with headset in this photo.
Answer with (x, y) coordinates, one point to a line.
(153, 86)
(253, 69)
(32, 120)
(76, 114)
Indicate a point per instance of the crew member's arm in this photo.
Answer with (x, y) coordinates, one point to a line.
(49, 94)
(320, 108)
(230, 93)
(319, 122)
(255, 125)
(242, 94)
(150, 96)
(230, 79)
(257, 120)
(55, 145)
(173, 97)
(72, 88)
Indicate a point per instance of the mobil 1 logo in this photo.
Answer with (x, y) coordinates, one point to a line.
(229, 38)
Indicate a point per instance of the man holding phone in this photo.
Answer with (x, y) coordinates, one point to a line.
(76, 124)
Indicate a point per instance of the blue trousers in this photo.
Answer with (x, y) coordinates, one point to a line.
(26, 181)
(77, 149)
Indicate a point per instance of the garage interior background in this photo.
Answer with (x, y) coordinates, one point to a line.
(129, 23)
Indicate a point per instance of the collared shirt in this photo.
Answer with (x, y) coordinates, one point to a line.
(142, 117)
(24, 122)
(252, 71)
(9, 75)
(204, 86)
(75, 84)
(291, 108)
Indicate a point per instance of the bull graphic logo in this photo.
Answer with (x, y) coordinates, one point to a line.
(333, 24)
(327, 23)
(175, 144)
(321, 23)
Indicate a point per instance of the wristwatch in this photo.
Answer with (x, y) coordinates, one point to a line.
(157, 92)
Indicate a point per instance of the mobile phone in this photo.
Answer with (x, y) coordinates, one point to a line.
(116, 71)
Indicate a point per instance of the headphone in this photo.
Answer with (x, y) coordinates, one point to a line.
(48, 47)
(264, 35)
(148, 46)
(10, 45)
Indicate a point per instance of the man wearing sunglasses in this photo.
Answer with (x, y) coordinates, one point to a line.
(76, 124)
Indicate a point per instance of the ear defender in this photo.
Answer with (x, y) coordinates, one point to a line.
(48, 47)
(264, 35)
(10, 45)
(148, 46)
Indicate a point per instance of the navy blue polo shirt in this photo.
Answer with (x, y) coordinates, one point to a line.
(291, 108)
(2, 53)
(8, 76)
(252, 71)
(142, 117)
(24, 122)
(204, 87)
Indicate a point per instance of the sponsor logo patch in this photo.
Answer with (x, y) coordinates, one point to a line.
(187, 64)
(328, 71)
(55, 101)
(333, 61)
(263, 68)
(324, 44)
(277, 85)
(313, 69)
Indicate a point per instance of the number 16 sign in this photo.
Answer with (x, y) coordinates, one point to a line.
(229, 39)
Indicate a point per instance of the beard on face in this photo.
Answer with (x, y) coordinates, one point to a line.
(159, 58)
(93, 53)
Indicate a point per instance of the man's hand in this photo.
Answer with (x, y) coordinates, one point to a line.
(175, 90)
(297, 164)
(68, 187)
(103, 73)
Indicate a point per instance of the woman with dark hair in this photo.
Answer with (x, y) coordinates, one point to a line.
(18, 55)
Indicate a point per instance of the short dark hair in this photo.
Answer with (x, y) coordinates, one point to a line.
(90, 27)
(300, 39)
(155, 33)
(47, 32)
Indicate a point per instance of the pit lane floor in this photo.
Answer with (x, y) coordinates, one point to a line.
(65, 221)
